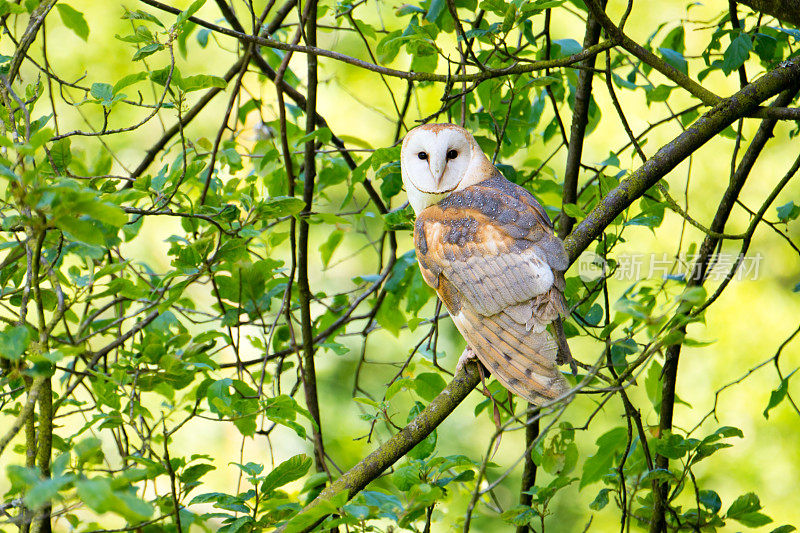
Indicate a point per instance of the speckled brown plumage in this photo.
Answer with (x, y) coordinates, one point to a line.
(488, 248)
(480, 249)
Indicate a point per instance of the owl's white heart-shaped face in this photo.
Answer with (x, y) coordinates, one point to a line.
(435, 160)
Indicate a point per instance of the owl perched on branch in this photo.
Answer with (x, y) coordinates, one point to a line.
(488, 249)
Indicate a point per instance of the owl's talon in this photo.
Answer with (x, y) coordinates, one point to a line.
(465, 358)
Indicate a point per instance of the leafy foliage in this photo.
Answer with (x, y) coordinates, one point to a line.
(247, 276)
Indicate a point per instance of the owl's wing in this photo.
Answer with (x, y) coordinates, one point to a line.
(491, 254)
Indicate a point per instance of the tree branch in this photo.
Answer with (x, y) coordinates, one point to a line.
(580, 117)
(785, 10)
(304, 292)
(369, 468)
(25, 414)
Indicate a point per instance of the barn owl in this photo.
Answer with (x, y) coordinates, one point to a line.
(488, 249)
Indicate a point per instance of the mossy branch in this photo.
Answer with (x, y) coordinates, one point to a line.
(369, 468)
(24, 414)
(784, 10)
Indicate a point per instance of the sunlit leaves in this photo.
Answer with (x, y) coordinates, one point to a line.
(279, 206)
(608, 446)
(788, 211)
(675, 59)
(138, 14)
(236, 400)
(103, 495)
(147, 50)
(745, 511)
(14, 340)
(286, 472)
(190, 11)
(429, 385)
(74, 20)
(737, 53)
(778, 395)
(329, 246)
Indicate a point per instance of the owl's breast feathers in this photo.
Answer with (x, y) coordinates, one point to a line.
(490, 252)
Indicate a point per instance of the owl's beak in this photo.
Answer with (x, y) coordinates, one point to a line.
(437, 170)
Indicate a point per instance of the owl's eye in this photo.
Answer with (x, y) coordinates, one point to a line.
(452, 154)
(423, 155)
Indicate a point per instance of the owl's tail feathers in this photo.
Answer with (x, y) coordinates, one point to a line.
(522, 359)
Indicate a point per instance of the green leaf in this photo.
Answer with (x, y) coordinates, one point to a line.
(14, 340)
(509, 19)
(390, 316)
(598, 465)
(145, 51)
(754, 519)
(305, 519)
(61, 154)
(46, 490)
(574, 211)
(543, 81)
(601, 500)
(141, 15)
(426, 447)
(132, 507)
(128, 80)
(391, 179)
(566, 47)
(778, 394)
(594, 315)
(290, 470)
(86, 231)
(520, 515)
(74, 20)
(103, 92)
(674, 446)
(329, 246)
(280, 206)
(675, 59)
(366, 401)
(323, 135)
(161, 75)
(784, 529)
(195, 472)
(184, 16)
(251, 469)
(201, 81)
(400, 219)
(406, 476)
(693, 295)
(7, 7)
(96, 493)
(710, 500)
(737, 53)
(105, 212)
(436, 9)
(744, 504)
(788, 212)
(429, 385)
(659, 93)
